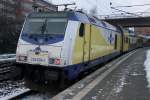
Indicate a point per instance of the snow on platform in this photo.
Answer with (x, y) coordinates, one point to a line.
(147, 67)
(122, 79)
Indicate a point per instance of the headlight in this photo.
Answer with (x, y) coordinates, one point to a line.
(51, 61)
(56, 61)
(22, 58)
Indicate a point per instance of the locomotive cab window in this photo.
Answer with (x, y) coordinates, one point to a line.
(81, 30)
(47, 26)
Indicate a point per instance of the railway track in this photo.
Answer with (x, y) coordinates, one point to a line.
(18, 95)
(16, 90)
(13, 89)
(31, 95)
(27, 94)
(6, 65)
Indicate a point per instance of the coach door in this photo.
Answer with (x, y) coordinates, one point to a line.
(86, 43)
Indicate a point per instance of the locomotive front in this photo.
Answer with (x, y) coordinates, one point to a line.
(40, 49)
(41, 40)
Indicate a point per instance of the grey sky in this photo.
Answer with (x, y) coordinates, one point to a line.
(103, 6)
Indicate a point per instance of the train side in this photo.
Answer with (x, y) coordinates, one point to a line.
(100, 43)
(61, 45)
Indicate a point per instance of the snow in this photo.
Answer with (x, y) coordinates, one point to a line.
(81, 86)
(17, 92)
(8, 89)
(37, 97)
(71, 93)
(122, 83)
(136, 74)
(147, 67)
(100, 90)
(94, 98)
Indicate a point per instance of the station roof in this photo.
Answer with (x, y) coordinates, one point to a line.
(130, 22)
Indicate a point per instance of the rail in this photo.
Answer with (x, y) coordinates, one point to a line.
(7, 57)
(6, 64)
(17, 95)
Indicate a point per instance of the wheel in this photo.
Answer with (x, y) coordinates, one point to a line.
(16, 73)
(62, 80)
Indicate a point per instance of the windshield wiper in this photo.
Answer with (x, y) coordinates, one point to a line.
(43, 28)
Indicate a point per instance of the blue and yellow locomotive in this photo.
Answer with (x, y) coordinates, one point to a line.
(61, 45)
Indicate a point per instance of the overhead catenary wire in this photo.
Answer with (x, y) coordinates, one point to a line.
(125, 12)
(145, 11)
(139, 14)
(132, 5)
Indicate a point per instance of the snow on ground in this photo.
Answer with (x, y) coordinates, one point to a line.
(10, 88)
(122, 81)
(120, 86)
(37, 97)
(147, 67)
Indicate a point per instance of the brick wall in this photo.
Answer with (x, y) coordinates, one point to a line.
(12, 14)
(143, 30)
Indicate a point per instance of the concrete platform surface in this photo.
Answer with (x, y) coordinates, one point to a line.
(121, 79)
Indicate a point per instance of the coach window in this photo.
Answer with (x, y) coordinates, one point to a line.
(129, 41)
(126, 39)
(81, 30)
(115, 41)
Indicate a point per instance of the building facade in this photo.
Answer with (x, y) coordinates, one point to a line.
(143, 30)
(24, 7)
(12, 15)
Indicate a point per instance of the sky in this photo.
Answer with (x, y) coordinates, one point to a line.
(103, 6)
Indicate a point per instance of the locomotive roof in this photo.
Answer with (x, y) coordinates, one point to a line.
(75, 16)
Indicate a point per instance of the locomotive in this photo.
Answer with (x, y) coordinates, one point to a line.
(61, 45)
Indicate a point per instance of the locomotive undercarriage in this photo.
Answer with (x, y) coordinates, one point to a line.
(40, 74)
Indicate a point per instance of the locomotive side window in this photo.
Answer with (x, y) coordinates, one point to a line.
(81, 30)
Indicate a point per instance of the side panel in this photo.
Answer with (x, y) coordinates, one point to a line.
(77, 54)
(118, 41)
(87, 40)
(69, 42)
(99, 46)
(81, 51)
(104, 42)
(125, 41)
(97, 42)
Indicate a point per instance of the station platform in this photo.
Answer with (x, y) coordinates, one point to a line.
(121, 79)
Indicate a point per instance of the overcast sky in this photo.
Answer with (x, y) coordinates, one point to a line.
(103, 6)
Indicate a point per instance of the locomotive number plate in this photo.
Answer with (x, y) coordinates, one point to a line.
(41, 59)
